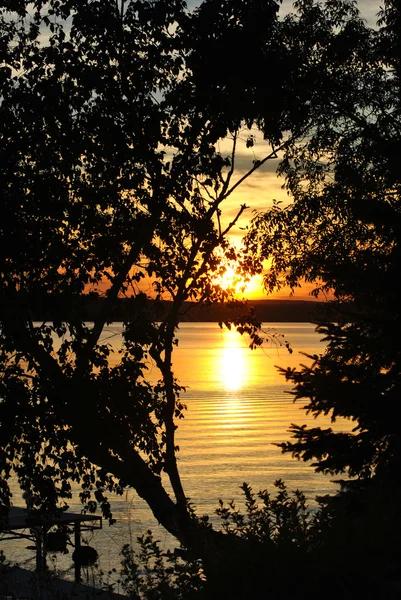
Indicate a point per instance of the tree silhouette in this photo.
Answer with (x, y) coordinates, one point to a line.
(343, 233)
(110, 116)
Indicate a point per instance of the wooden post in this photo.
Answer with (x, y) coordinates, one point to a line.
(40, 533)
(77, 544)
(38, 540)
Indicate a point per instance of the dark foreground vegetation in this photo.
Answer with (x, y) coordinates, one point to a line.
(347, 547)
(114, 120)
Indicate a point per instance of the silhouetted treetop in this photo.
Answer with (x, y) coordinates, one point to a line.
(343, 232)
(112, 184)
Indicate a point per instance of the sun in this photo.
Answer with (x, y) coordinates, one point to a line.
(231, 280)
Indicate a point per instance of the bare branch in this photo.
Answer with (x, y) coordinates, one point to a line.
(232, 167)
(234, 221)
(257, 164)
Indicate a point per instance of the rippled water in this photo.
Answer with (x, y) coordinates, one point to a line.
(238, 407)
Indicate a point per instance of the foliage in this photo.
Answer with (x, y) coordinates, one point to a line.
(270, 531)
(152, 574)
(114, 185)
(282, 520)
(342, 232)
(345, 547)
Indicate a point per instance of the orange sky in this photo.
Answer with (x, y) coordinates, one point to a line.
(257, 192)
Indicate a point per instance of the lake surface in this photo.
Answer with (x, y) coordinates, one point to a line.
(238, 407)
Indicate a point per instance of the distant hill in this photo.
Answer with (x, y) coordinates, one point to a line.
(265, 311)
(88, 308)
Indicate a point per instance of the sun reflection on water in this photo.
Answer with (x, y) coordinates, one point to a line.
(232, 366)
(232, 369)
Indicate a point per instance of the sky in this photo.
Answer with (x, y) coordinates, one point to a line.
(264, 186)
(259, 191)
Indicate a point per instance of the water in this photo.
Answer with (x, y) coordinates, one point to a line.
(238, 408)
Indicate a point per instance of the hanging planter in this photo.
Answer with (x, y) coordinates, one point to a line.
(85, 556)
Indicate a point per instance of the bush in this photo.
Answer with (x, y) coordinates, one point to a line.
(152, 574)
(281, 549)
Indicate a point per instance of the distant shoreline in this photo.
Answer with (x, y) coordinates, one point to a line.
(88, 308)
(286, 311)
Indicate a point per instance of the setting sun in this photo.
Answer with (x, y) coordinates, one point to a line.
(231, 280)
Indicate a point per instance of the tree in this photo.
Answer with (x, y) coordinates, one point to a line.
(111, 173)
(342, 232)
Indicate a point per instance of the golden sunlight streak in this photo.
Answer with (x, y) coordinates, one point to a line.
(232, 366)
